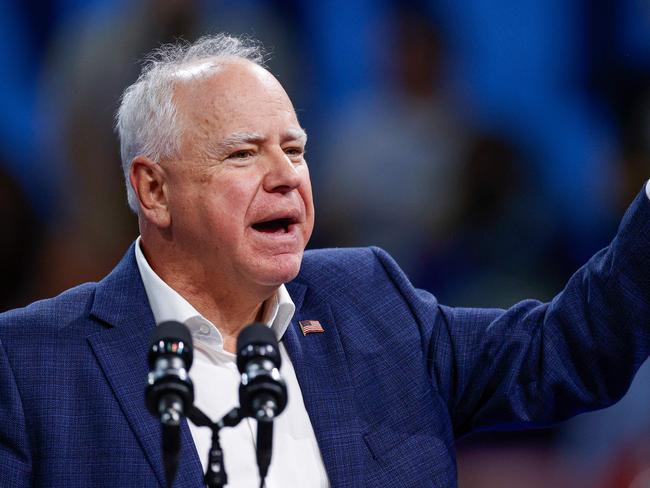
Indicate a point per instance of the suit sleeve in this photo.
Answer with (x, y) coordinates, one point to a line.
(538, 363)
(15, 457)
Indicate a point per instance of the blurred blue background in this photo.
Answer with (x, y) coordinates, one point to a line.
(490, 146)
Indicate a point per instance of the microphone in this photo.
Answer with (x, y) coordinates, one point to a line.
(170, 394)
(262, 392)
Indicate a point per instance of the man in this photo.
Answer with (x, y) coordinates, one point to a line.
(214, 159)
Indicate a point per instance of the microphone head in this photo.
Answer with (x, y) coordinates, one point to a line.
(170, 358)
(257, 341)
(171, 338)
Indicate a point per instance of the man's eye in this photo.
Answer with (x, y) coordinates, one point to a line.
(243, 154)
(294, 151)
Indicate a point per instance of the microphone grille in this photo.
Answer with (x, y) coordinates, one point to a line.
(257, 340)
(171, 338)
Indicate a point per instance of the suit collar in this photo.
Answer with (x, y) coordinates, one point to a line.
(120, 298)
(121, 348)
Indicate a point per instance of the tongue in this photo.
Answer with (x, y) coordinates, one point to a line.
(271, 226)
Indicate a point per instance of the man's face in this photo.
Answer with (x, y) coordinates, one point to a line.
(239, 195)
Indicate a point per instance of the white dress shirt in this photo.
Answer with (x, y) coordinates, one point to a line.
(296, 458)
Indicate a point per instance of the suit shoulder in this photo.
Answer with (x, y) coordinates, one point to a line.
(56, 312)
(350, 265)
(337, 256)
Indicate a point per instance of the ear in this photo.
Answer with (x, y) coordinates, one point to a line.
(149, 182)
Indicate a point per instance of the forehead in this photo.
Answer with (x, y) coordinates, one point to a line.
(231, 95)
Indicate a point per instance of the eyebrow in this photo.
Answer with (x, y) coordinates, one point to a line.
(295, 135)
(239, 138)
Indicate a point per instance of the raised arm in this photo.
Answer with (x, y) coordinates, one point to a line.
(537, 363)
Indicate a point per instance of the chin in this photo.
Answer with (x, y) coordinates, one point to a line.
(279, 269)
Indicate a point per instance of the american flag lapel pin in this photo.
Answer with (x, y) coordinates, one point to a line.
(310, 326)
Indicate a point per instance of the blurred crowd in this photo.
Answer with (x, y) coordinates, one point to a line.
(491, 148)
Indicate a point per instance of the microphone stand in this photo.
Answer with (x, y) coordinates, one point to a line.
(215, 472)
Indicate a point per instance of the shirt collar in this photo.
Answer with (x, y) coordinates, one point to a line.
(167, 304)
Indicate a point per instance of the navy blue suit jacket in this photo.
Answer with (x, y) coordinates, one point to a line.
(395, 378)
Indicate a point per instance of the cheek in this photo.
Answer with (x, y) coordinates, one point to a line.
(305, 186)
(230, 192)
(227, 203)
(308, 227)
(308, 200)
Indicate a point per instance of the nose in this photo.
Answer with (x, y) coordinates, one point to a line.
(282, 175)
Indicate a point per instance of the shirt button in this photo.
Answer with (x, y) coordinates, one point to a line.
(204, 329)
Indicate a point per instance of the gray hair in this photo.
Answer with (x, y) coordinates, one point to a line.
(147, 121)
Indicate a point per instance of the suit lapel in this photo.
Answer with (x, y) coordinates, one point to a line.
(321, 368)
(121, 350)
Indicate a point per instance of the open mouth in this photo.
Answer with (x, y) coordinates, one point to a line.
(275, 226)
